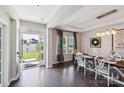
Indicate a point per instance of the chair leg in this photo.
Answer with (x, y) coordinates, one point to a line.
(74, 61)
(108, 79)
(95, 75)
(108, 82)
(78, 68)
(112, 78)
(84, 71)
(108, 74)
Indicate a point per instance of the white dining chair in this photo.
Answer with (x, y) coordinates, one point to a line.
(89, 63)
(117, 73)
(102, 68)
(80, 63)
(76, 57)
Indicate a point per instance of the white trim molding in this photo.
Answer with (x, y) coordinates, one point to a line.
(14, 79)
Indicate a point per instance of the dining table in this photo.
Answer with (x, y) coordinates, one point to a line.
(118, 65)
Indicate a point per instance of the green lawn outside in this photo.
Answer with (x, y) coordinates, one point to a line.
(34, 53)
(30, 55)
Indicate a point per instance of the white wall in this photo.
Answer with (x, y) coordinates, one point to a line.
(105, 44)
(14, 70)
(9, 45)
(106, 41)
(4, 18)
(49, 48)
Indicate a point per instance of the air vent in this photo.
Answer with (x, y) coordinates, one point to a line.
(107, 13)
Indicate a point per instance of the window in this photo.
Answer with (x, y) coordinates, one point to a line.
(68, 44)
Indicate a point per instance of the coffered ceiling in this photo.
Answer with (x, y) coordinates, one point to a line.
(36, 13)
(71, 17)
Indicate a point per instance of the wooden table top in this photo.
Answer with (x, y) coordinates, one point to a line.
(114, 63)
(88, 56)
(119, 64)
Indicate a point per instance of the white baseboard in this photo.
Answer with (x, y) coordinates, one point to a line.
(62, 61)
(13, 79)
(50, 66)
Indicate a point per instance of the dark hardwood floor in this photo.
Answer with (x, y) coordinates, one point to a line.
(61, 75)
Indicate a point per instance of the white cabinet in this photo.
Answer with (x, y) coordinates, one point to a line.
(1, 55)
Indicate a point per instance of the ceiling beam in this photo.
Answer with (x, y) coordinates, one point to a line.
(63, 13)
(106, 24)
(70, 28)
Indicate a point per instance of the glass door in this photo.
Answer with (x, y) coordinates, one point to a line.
(30, 47)
(1, 55)
(41, 51)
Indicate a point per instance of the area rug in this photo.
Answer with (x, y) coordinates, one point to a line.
(29, 65)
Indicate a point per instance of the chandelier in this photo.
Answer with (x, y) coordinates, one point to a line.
(107, 32)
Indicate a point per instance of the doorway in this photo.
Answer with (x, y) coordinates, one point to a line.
(32, 50)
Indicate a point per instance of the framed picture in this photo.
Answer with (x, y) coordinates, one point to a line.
(95, 42)
(118, 42)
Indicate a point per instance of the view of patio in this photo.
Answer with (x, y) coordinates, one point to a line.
(32, 47)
